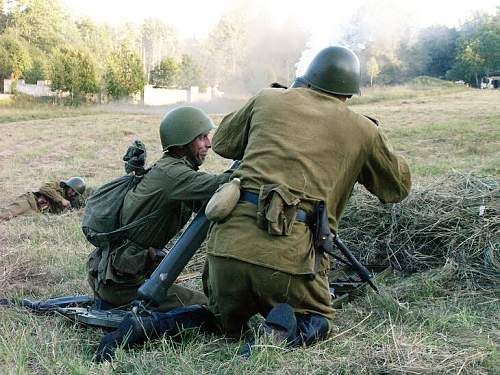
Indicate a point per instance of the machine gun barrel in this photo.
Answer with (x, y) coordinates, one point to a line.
(361, 270)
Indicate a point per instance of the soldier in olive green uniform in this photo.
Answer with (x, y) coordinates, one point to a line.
(168, 193)
(53, 197)
(301, 145)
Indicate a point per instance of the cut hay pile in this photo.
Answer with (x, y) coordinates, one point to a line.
(454, 219)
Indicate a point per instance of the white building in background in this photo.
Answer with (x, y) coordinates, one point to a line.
(161, 96)
(492, 81)
(42, 88)
(152, 96)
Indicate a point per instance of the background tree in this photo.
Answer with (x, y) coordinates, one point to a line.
(74, 71)
(478, 51)
(165, 73)
(189, 73)
(124, 75)
(157, 41)
(470, 63)
(3, 17)
(97, 39)
(39, 68)
(43, 23)
(439, 45)
(14, 57)
(373, 69)
(225, 50)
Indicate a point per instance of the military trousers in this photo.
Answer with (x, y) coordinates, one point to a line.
(25, 205)
(120, 295)
(127, 268)
(238, 290)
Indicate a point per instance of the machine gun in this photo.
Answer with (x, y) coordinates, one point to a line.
(324, 240)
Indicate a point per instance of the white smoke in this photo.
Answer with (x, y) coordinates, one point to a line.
(315, 44)
(331, 20)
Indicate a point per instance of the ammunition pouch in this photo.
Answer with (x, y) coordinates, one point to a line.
(276, 209)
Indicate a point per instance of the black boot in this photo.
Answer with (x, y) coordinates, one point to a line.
(134, 330)
(311, 328)
(280, 325)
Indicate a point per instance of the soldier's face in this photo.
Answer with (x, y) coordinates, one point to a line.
(198, 148)
(70, 194)
(42, 202)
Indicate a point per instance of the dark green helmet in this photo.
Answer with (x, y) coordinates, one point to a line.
(75, 183)
(334, 70)
(182, 125)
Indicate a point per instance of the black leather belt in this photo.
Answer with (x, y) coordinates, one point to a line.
(248, 196)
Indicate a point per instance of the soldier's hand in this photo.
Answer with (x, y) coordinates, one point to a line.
(155, 258)
(66, 203)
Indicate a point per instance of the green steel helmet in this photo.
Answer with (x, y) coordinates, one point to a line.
(76, 183)
(183, 124)
(334, 70)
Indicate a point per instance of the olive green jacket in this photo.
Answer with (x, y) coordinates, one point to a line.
(169, 192)
(173, 188)
(316, 147)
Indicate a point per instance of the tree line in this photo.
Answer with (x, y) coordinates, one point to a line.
(243, 52)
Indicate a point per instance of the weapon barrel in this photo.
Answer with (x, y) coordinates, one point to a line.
(362, 271)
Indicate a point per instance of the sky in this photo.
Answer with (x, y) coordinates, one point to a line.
(195, 18)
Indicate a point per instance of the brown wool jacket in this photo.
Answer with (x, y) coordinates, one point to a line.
(55, 194)
(315, 146)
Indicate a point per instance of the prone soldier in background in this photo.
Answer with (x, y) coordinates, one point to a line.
(53, 197)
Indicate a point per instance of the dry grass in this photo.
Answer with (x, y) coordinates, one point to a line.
(441, 317)
(454, 218)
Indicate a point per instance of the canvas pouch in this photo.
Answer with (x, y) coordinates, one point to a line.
(277, 209)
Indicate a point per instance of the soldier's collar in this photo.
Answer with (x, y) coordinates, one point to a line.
(190, 163)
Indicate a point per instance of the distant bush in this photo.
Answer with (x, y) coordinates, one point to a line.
(430, 82)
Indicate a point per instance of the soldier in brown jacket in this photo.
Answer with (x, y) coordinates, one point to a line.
(298, 147)
(53, 197)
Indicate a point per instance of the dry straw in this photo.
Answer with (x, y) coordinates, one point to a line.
(453, 219)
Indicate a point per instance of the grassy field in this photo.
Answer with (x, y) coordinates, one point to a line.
(427, 322)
